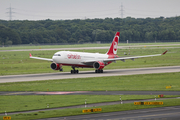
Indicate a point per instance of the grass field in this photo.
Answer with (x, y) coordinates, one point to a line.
(19, 62)
(78, 111)
(52, 46)
(34, 102)
(112, 83)
(133, 82)
(18, 47)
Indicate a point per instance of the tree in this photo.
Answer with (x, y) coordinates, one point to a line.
(89, 30)
(25, 38)
(149, 36)
(11, 35)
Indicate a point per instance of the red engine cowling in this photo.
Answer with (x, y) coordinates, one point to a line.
(98, 65)
(55, 66)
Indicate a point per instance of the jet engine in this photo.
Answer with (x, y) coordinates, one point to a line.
(55, 66)
(98, 65)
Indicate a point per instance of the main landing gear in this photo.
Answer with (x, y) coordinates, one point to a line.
(74, 71)
(99, 71)
(60, 69)
(77, 71)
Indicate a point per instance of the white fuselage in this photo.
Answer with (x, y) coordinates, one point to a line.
(88, 60)
(77, 58)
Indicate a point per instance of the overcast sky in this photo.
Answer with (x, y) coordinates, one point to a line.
(81, 9)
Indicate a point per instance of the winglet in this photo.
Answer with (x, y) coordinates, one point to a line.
(30, 55)
(165, 52)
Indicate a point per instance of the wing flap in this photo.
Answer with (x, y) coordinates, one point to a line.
(132, 58)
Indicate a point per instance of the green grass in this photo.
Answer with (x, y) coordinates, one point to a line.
(146, 82)
(19, 62)
(133, 82)
(18, 47)
(78, 111)
(35, 102)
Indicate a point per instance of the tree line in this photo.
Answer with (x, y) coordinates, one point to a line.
(89, 30)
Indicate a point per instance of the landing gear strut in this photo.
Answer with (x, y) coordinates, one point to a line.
(99, 71)
(60, 69)
(74, 71)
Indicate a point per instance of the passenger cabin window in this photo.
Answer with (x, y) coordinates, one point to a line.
(57, 55)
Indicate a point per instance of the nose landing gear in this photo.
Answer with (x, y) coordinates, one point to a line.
(74, 71)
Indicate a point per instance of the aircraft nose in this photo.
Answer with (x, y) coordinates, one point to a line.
(54, 59)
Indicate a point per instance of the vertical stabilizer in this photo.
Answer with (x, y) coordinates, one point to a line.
(113, 49)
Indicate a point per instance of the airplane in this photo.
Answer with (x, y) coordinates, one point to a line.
(88, 60)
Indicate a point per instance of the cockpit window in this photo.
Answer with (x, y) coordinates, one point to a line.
(57, 55)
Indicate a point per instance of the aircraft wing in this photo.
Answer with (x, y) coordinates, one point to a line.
(133, 57)
(124, 58)
(47, 59)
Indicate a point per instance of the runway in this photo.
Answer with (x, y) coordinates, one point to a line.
(154, 113)
(87, 74)
(94, 93)
(164, 113)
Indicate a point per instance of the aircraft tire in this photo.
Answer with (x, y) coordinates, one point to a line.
(74, 71)
(99, 71)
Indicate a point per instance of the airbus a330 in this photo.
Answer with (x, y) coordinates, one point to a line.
(88, 60)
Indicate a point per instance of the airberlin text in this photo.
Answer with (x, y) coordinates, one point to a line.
(73, 56)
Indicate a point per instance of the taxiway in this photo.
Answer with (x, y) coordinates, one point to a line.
(106, 47)
(93, 93)
(164, 113)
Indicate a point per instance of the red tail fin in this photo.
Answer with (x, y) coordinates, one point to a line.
(113, 48)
